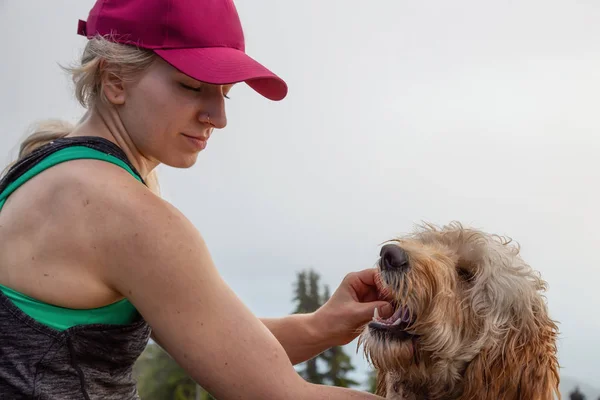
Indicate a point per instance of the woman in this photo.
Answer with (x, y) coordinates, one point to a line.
(90, 258)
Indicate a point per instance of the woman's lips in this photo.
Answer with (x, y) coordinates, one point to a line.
(198, 142)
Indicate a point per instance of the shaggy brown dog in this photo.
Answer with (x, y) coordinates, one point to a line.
(470, 320)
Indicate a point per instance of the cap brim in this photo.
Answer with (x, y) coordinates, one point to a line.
(225, 65)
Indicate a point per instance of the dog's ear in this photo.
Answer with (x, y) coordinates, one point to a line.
(522, 365)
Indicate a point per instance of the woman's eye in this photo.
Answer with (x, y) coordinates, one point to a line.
(195, 89)
(198, 89)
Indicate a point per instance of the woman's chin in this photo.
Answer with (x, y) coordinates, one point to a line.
(182, 160)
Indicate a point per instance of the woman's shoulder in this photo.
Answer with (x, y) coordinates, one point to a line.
(107, 192)
(95, 200)
(82, 217)
(91, 180)
(127, 227)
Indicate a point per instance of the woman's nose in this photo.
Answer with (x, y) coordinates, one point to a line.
(217, 118)
(213, 111)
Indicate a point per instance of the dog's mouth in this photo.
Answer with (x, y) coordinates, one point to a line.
(394, 327)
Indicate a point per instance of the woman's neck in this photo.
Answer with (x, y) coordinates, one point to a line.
(107, 124)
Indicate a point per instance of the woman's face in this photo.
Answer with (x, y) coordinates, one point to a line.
(170, 116)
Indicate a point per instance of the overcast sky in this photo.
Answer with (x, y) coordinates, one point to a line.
(398, 112)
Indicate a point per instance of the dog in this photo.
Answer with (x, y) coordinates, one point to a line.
(470, 320)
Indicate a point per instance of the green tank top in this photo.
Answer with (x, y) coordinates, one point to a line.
(60, 318)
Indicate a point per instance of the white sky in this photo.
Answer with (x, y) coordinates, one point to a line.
(398, 112)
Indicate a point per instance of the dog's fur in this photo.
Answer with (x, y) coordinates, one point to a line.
(480, 322)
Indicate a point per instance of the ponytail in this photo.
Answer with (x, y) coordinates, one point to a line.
(44, 133)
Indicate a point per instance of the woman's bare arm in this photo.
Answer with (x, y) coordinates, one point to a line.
(157, 259)
(299, 334)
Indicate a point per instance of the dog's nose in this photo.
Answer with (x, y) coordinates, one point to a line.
(393, 258)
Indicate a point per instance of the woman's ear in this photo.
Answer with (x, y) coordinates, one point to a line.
(112, 86)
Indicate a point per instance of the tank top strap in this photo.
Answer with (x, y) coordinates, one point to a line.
(59, 151)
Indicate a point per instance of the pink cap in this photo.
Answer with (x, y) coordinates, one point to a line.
(201, 38)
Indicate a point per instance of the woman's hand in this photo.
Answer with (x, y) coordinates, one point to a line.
(336, 323)
(350, 307)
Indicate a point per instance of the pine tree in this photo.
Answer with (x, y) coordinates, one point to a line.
(371, 381)
(301, 294)
(160, 377)
(339, 365)
(576, 394)
(304, 288)
(336, 363)
(314, 293)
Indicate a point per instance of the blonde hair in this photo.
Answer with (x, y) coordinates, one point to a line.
(101, 56)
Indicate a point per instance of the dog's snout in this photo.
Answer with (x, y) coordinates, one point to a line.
(393, 258)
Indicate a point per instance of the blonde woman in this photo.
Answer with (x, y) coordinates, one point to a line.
(93, 262)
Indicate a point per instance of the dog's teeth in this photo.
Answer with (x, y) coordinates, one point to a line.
(396, 322)
(375, 314)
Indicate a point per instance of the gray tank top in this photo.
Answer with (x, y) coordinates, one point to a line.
(89, 362)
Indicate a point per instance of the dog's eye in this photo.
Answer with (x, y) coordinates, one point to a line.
(465, 274)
